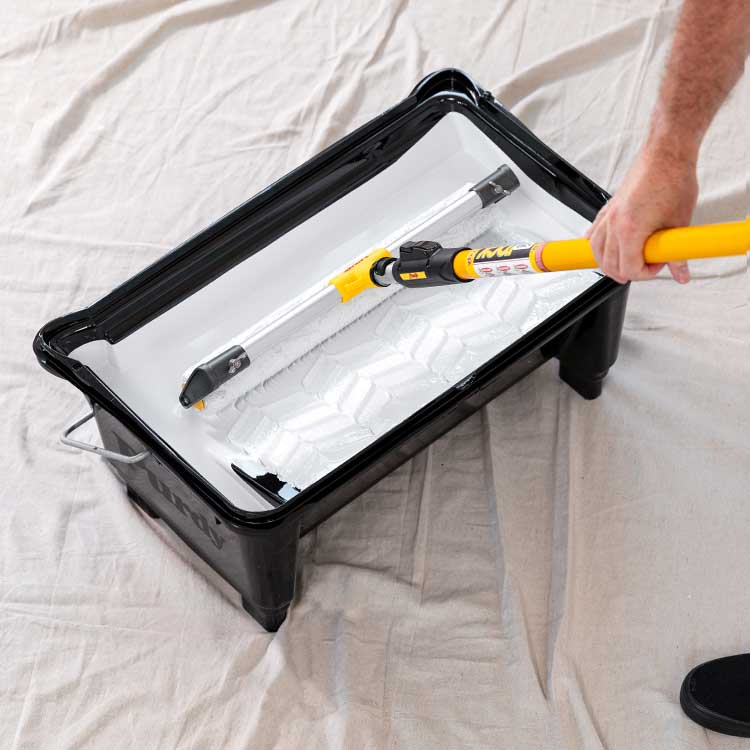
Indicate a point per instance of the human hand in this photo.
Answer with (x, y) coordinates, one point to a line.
(660, 190)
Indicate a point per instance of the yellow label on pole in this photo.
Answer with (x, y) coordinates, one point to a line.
(490, 253)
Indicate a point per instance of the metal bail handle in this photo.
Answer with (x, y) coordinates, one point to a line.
(103, 452)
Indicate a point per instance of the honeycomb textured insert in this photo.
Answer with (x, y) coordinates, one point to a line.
(369, 377)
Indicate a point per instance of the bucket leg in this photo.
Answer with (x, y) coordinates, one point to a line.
(270, 562)
(269, 619)
(590, 348)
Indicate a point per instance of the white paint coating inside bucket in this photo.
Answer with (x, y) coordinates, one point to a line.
(380, 368)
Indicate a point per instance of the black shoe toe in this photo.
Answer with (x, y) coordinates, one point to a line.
(716, 695)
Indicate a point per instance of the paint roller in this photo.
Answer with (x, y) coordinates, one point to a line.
(318, 313)
(428, 264)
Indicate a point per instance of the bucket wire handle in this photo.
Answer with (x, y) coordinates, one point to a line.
(65, 439)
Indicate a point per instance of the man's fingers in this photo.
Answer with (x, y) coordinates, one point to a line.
(598, 220)
(680, 272)
(632, 264)
(617, 244)
(611, 258)
(598, 241)
(605, 250)
(650, 270)
(605, 244)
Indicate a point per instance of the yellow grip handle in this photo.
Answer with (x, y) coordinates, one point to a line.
(664, 246)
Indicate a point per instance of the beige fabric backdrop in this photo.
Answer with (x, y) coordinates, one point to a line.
(550, 596)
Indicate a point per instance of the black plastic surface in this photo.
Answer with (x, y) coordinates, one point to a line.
(431, 263)
(493, 188)
(255, 551)
(206, 378)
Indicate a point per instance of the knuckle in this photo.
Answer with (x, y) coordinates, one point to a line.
(631, 266)
(597, 246)
(609, 267)
(627, 227)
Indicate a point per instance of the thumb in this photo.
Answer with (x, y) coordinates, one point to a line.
(680, 271)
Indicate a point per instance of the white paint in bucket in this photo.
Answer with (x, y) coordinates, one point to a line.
(382, 368)
(144, 369)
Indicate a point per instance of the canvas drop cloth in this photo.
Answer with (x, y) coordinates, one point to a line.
(541, 577)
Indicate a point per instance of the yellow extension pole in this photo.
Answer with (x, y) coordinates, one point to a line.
(664, 246)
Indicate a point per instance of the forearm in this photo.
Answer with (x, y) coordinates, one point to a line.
(711, 44)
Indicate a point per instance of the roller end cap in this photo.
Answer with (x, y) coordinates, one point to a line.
(496, 186)
(208, 376)
(198, 386)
